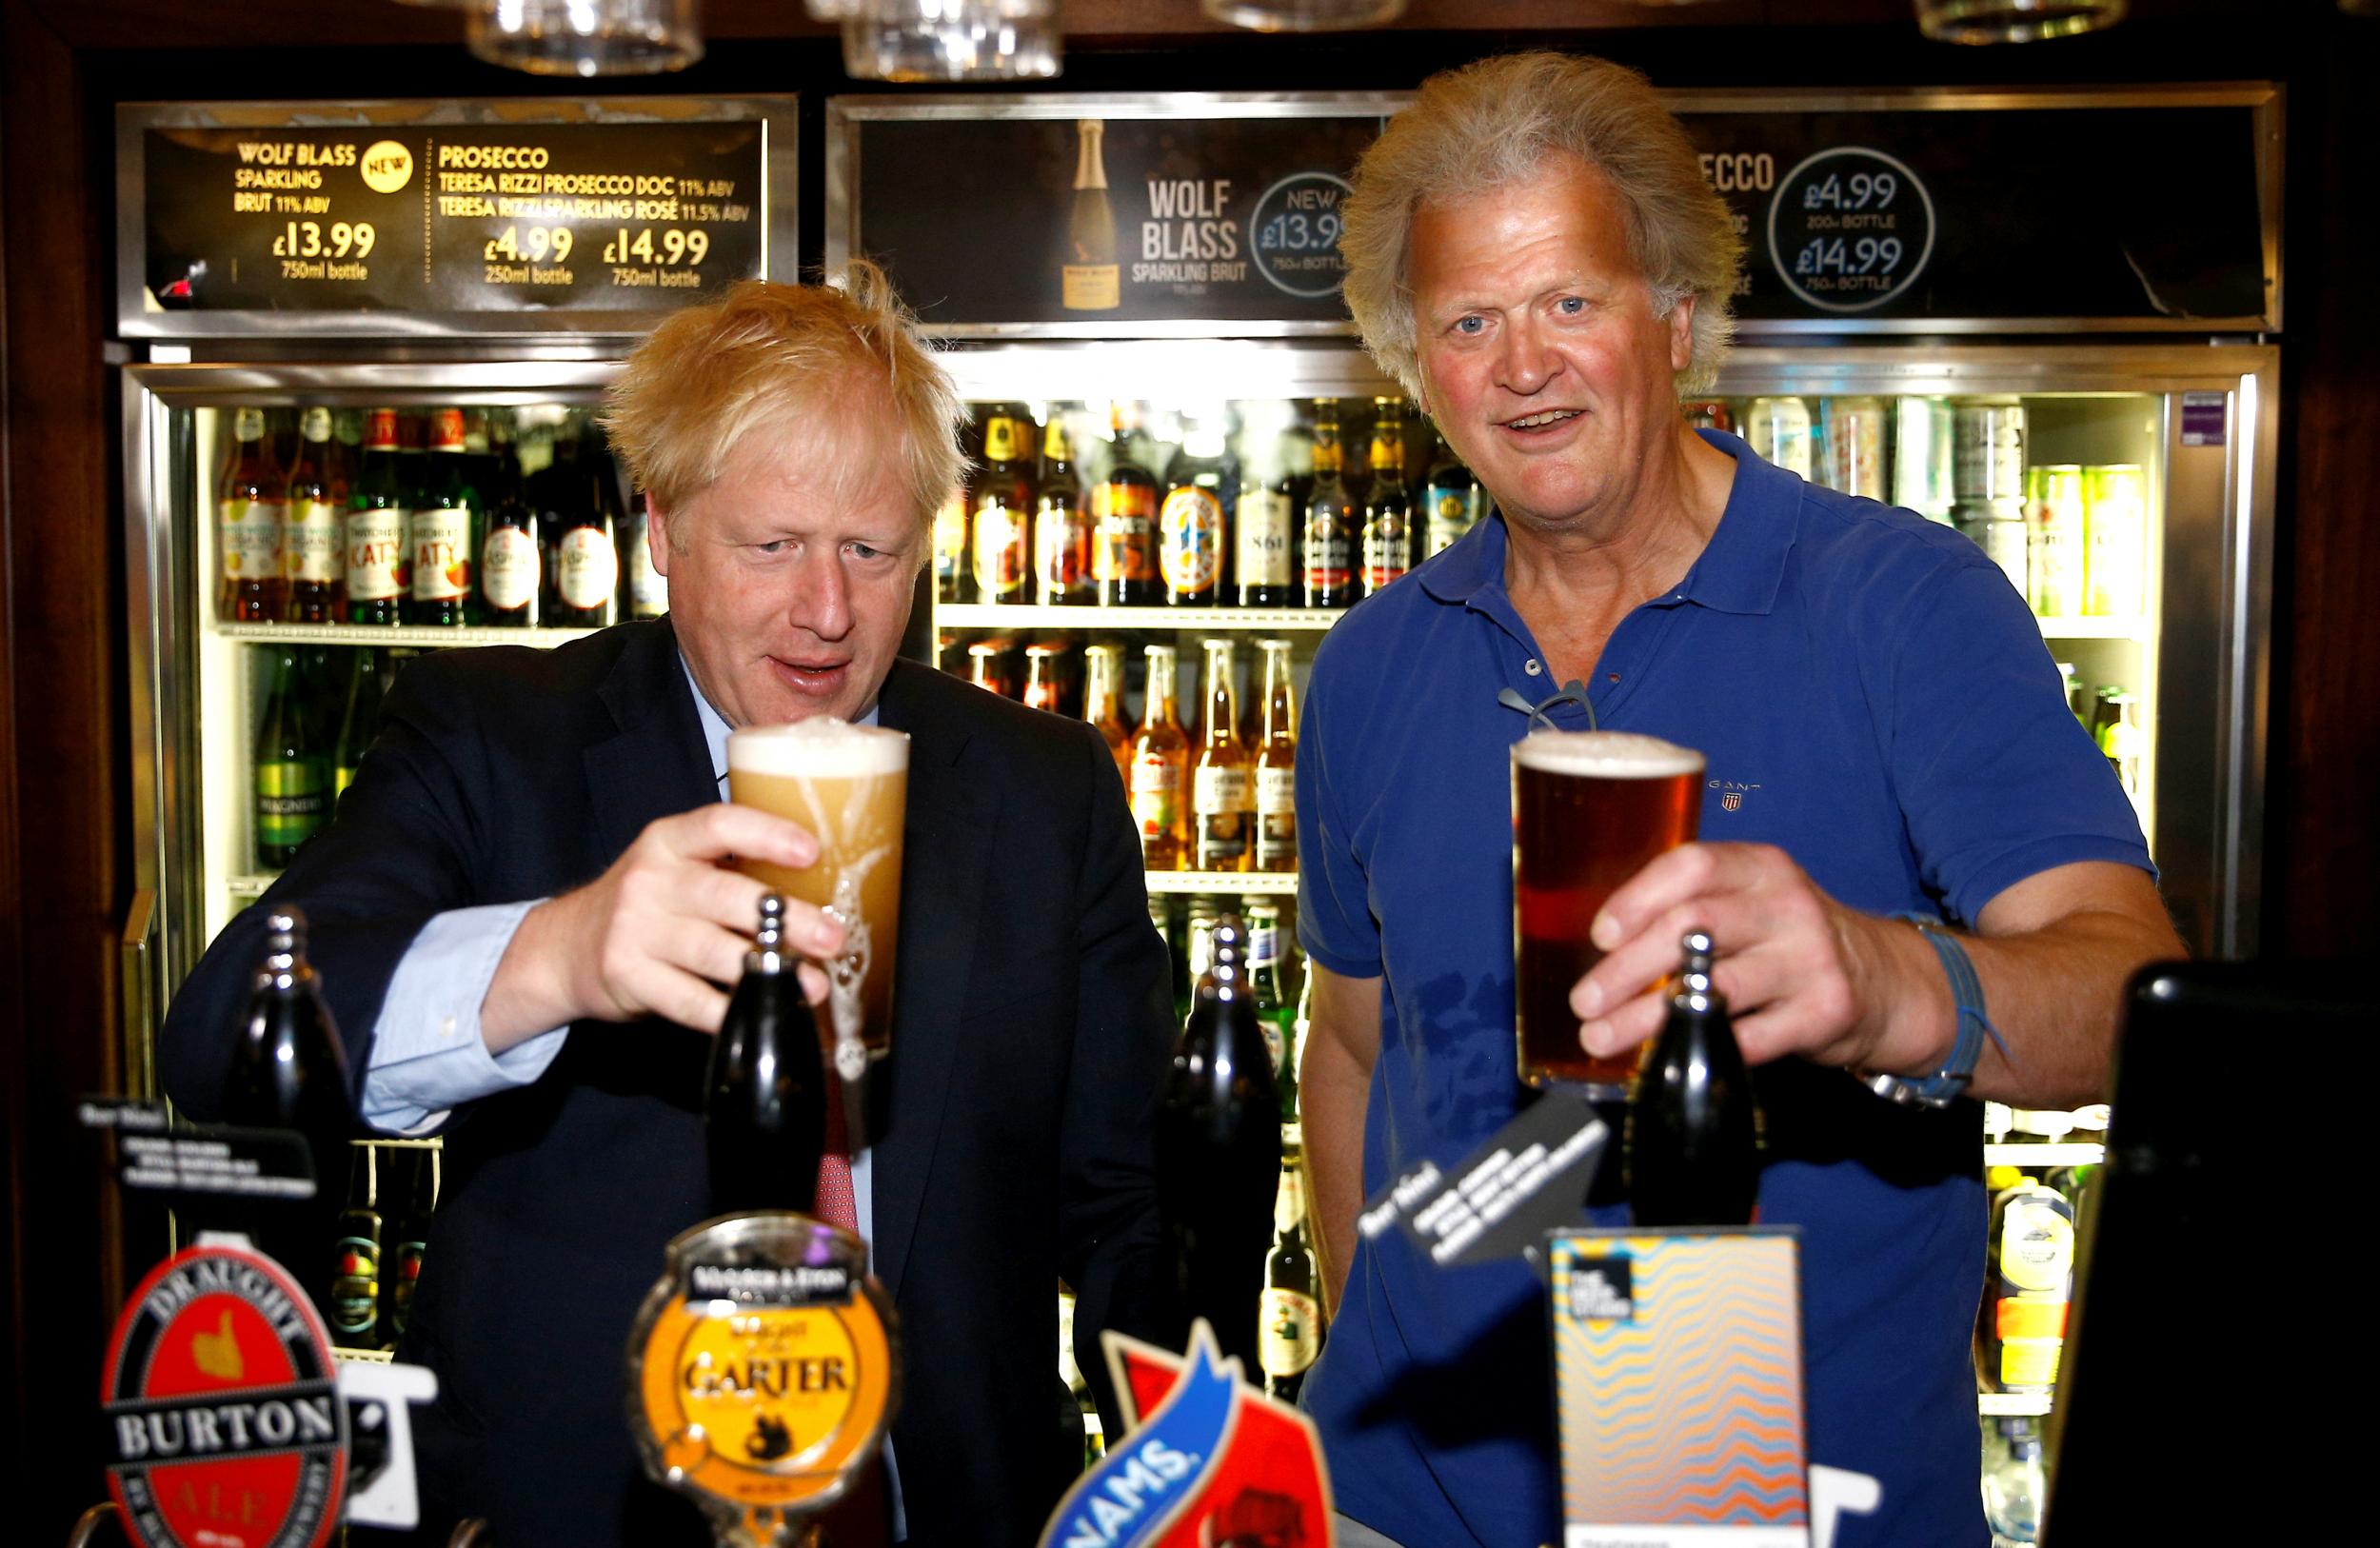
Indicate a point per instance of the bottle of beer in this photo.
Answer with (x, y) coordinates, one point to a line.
(1267, 974)
(512, 560)
(289, 1071)
(1453, 502)
(1388, 510)
(1062, 525)
(1102, 704)
(249, 513)
(401, 1273)
(1160, 765)
(1002, 519)
(985, 668)
(1123, 521)
(1289, 1312)
(587, 549)
(353, 1311)
(378, 538)
(291, 770)
(1200, 484)
(764, 1108)
(1693, 1128)
(1218, 1149)
(311, 545)
(1044, 662)
(1330, 516)
(1277, 765)
(356, 718)
(1264, 526)
(1223, 797)
(648, 589)
(446, 536)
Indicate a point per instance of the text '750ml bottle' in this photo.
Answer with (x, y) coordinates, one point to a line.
(1693, 1128)
(764, 1111)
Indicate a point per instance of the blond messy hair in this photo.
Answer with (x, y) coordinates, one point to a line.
(1495, 122)
(768, 354)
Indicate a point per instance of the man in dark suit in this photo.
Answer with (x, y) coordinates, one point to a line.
(524, 928)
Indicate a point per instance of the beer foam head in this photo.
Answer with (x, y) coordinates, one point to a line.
(821, 747)
(1605, 755)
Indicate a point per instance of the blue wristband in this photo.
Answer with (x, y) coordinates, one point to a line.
(1950, 1083)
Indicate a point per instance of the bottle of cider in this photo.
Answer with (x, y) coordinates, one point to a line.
(379, 536)
(765, 1112)
(291, 769)
(1102, 701)
(1160, 765)
(445, 531)
(310, 562)
(1388, 510)
(355, 1309)
(1276, 766)
(1693, 1129)
(249, 513)
(1289, 1312)
(1201, 484)
(1329, 517)
(1222, 799)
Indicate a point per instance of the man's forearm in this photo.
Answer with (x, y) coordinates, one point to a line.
(2053, 993)
(1332, 1093)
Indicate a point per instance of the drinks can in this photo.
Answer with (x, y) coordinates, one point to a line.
(1987, 449)
(1998, 529)
(1779, 429)
(2053, 519)
(1855, 446)
(1709, 414)
(1922, 480)
(2115, 524)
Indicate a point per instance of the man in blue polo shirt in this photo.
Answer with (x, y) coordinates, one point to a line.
(1533, 251)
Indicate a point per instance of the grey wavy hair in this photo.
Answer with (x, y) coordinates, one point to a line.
(1495, 123)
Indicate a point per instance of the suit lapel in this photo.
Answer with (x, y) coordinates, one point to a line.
(657, 766)
(945, 855)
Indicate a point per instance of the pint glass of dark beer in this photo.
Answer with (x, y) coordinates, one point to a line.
(848, 786)
(1590, 808)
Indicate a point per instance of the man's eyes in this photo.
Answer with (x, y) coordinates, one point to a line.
(1470, 325)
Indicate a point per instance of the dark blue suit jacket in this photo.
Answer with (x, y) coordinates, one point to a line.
(1031, 1030)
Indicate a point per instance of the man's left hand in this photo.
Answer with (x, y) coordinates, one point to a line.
(1799, 969)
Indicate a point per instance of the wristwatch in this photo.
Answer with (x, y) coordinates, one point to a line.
(1950, 1083)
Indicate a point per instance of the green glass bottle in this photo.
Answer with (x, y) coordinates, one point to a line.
(292, 772)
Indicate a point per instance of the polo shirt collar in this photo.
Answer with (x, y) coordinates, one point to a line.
(1741, 569)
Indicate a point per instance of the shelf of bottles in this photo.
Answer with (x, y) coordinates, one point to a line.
(2041, 1169)
(1228, 884)
(2062, 490)
(339, 542)
(417, 637)
(379, 1242)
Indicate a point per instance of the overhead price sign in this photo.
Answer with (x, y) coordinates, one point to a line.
(1909, 212)
(391, 224)
(1086, 215)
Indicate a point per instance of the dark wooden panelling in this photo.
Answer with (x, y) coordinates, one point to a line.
(62, 659)
(2323, 836)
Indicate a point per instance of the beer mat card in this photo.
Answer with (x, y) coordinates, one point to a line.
(1529, 1178)
(1679, 1387)
(155, 1155)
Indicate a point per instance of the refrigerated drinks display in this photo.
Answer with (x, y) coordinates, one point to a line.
(2003, 311)
(358, 426)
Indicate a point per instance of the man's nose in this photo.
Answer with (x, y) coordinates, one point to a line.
(1529, 363)
(821, 596)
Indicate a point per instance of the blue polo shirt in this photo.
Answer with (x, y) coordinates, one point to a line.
(1871, 695)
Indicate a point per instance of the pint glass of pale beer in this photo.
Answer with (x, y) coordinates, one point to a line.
(848, 786)
(1590, 808)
